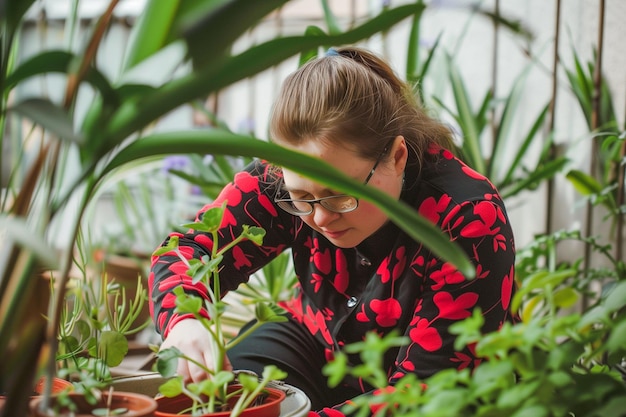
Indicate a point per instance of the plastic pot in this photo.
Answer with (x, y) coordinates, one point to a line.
(171, 407)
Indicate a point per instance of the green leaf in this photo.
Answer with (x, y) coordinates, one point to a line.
(12, 13)
(336, 369)
(226, 143)
(188, 304)
(59, 62)
(453, 401)
(49, 116)
(172, 244)
(413, 50)
(540, 280)
(590, 187)
(594, 315)
(515, 26)
(70, 343)
(513, 397)
(542, 171)
(584, 183)
(265, 313)
(561, 379)
(565, 297)
(306, 56)
(535, 410)
(132, 116)
(172, 387)
(151, 31)
(616, 299)
(254, 234)
(249, 382)
(223, 378)
(522, 151)
(562, 357)
(83, 329)
(112, 347)
(331, 20)
(469, 124)
(167, 361)
(272, 373)
(212, 218)
(221, 22)
(617, 338)
(207, 387)
(613, 407)
(18, 230)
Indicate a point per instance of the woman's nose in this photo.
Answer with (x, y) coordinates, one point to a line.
(322, 216)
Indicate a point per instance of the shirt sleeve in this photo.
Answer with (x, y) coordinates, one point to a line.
(249, 201)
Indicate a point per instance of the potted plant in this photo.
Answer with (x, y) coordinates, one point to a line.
(96, 320)
(114, 133)
(58, 385)
(217, 393)
(114, 404)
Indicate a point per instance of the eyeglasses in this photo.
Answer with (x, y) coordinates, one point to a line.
(341, 203)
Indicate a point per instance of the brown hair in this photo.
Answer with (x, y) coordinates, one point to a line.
(352, 97)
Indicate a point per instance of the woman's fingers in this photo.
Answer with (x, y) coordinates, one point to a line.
(195, 342)
(191, 371)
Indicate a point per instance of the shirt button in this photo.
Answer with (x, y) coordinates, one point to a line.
(365, 262)
(352, 302)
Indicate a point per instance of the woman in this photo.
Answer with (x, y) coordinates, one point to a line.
(357, 271)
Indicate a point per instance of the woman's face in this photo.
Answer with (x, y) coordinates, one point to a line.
(347, 230)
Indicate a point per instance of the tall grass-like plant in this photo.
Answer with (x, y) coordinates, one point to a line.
(115, 132)
(600, 187)
(510, 175)
(489, 143)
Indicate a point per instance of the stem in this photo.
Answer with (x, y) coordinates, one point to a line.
(195, 362)
(196, 400)
(228, 246)
(243, 335)
(56, 307)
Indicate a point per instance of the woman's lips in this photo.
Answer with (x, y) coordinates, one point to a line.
(334, 235)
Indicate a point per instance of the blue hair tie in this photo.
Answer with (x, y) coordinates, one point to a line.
(332, 52)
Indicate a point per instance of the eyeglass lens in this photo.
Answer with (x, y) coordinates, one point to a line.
(335, 203)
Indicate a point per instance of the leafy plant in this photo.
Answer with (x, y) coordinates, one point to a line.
(96, 320)
(212, 395)
(276, 280)
(554, 362)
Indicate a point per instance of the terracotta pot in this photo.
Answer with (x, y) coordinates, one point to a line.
(125, 270)
(58, 385)
(136, 405)
(171, 407)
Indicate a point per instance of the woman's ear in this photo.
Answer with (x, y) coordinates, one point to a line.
(400, 154)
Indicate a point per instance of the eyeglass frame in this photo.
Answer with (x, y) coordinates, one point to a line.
(320, 200)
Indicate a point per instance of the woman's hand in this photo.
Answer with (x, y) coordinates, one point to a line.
(195, 342)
